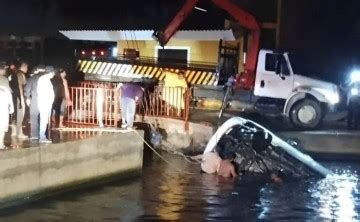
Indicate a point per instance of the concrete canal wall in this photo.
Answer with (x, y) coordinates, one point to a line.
(29, 172)
(327, 143)
(175, 134)
(332, 144)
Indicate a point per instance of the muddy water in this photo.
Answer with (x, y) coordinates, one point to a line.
(162, 194)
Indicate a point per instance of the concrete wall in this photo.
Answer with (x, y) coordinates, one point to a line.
(339, 143)
(32, 171)
(322, 144)
(193, 139)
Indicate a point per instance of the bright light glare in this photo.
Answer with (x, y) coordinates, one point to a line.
(334, 98)
(335, 195)
(102, 53)
(355, 76)
(114, 52)
(354, 91)
(93, 52)
(83, 52)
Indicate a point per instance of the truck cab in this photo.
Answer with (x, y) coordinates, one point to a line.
(304, 100)
(279, 91)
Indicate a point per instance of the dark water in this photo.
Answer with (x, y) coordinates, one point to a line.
(163, 194)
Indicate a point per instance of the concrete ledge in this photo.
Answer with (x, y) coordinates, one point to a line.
(195, 138)
(327, 143)
(32, 171)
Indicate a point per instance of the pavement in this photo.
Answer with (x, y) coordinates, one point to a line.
(276, 124)
(57, 135)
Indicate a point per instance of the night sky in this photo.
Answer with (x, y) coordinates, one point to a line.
(327, 31)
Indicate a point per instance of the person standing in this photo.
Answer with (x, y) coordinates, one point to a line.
(62, 96)
(31, 96)
(46, 95)
(20, 102)
(100, 99)
(11, 74)
(230, 83)
(7, 106)
(130, 95)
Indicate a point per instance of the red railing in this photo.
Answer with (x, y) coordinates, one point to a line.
(171, 102)
(97, 84)
(93, 105)
(97, 102)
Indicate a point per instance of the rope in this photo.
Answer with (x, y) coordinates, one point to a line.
(159, 155)
(127, 42)
(173, 150)
(137, 46)
(188, 159)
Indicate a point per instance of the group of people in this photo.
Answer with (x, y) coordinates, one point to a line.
(44, 91)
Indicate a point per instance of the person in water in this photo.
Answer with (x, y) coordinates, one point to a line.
(235, 155)
(213, 164)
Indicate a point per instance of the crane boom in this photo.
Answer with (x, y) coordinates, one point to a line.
(163, 37)
(245, 19)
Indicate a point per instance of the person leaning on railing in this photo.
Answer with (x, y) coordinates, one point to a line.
(130, 95)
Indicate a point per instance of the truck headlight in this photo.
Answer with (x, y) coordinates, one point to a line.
(334, 98)
(354, 91)
(355, 76)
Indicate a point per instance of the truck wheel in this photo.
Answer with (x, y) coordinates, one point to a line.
(306, 114)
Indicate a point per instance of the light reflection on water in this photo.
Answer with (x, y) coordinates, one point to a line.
(162, 195)
(337, 196)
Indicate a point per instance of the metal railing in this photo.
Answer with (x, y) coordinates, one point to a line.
(93, 106)
(97, 84)
(171, 102)
(99, 103)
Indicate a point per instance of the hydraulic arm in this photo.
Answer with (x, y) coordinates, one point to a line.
(245, 19)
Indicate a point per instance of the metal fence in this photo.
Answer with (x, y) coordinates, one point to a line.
(171, 102)
(93, 105)
(97, 103)
(97, 84)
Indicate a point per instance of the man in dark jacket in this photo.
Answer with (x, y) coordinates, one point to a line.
(32, 101)
(11, 74)
(20, 102)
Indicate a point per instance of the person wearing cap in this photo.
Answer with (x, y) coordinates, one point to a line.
(31, 97)
(7, 106)
(39, 69)
(46, 95)
(20, 102)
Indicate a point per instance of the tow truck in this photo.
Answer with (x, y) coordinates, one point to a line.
(269, 84)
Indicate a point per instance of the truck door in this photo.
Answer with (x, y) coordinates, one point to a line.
(273, 76)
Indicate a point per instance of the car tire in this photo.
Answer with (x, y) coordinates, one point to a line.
(306, 114)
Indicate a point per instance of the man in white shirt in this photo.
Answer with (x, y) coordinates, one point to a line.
(6, 107)
(45, 93)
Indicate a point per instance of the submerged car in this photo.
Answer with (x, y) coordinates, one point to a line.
(254, 149)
